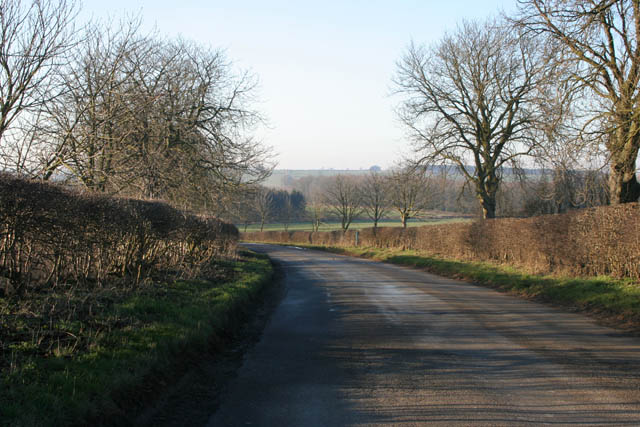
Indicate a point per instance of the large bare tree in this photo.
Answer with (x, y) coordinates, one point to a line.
(147, 117)
(601, 38)
(470, 101)
(35, 36)
(85, 122)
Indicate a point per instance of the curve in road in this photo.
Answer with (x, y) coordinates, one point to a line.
(355, 342)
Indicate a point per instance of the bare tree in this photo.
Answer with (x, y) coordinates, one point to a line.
(315, 203)
(263, 202)
(312, 189)
(195, 111)
(344, 199)
(34, 39)
(471, 101)
(88, 125)
(601, 39)
(153, 118)
(410, 191)
(286, 213)
(242, 209)
(375, 196)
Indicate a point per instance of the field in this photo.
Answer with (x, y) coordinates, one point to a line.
(433, 217)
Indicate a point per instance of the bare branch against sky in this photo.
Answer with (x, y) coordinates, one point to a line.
(324, 67)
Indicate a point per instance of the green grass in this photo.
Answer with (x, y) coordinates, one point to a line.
(614, 300)
(137, 344)
(356, 225)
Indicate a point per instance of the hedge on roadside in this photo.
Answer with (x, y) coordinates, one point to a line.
(50, 234)
(589, 242)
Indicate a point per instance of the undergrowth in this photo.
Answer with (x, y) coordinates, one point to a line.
(76, 357)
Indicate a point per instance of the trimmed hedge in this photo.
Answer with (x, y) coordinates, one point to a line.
(50, 235)
(589, 242)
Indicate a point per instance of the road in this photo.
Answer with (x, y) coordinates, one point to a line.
(355, 342)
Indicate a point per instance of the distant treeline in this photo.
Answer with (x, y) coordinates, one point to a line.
(262, 205)
(410, 192)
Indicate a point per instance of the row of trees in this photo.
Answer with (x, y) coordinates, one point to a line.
(342, 198)
(557, 84)
(122, 112)
(406, 190)
(409, 192)
(258, 204)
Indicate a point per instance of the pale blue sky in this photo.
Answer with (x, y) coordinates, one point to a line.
(325, 67)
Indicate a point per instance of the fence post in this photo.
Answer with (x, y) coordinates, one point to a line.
(357, 237)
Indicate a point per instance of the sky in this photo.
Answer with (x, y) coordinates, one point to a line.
(325, 67)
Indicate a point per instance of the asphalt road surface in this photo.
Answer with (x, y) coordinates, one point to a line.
(355, 342)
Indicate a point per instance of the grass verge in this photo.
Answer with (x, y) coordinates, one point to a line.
(132, 345)
(614, 302)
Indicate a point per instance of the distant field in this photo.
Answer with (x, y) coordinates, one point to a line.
(330, 226)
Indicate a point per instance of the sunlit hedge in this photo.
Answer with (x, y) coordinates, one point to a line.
(596, 241)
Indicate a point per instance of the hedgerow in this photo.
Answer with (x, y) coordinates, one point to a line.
(588, 242)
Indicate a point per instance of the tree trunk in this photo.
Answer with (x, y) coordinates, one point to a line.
(488, 203)
(624, 188)
(623, 146)
(404, 218)
(486, 192)
(623, 183)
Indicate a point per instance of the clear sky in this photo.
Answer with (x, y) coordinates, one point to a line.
(325, 67)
